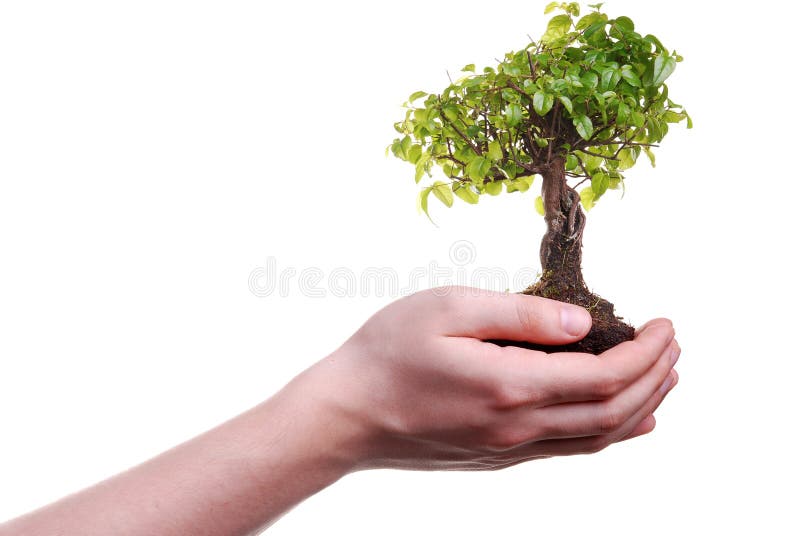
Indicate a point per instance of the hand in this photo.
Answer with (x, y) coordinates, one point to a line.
(425, 391)
(417, 388)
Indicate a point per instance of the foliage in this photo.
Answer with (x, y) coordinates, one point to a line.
(589, 95)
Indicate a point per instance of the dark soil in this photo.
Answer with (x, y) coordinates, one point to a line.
(608, 330)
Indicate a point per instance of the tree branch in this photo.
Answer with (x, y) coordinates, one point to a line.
(581, 182)
(463, 136)
(598, 155)
(617, 142)
(532, 65)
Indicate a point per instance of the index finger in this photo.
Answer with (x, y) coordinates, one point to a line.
(546, 379)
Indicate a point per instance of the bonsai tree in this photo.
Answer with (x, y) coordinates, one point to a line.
(578, 108)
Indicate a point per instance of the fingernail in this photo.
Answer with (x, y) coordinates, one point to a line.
(575, 321)
(666, 385)
(673, 358)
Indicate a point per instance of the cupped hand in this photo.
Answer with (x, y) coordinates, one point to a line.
(425, 391)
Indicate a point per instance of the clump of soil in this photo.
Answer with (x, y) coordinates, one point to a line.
(608, 330)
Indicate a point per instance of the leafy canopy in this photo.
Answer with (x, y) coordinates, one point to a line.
(589, 95)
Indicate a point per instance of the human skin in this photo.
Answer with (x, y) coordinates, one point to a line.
(414, 388)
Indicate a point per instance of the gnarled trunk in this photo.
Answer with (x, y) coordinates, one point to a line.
(562, 278)
(560, 251)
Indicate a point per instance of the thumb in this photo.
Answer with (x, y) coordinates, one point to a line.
(517, 317)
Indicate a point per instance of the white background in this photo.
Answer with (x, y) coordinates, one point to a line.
(153, 154)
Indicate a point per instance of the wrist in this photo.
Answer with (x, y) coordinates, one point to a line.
(340, 410)
(323, 433)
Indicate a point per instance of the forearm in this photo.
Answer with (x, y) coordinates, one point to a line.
(416, 387)
(236, 479)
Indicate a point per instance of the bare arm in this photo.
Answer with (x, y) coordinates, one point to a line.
(236, 479)
(414, 388)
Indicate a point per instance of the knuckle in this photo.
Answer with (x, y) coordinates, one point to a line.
(504, 396)
(610, 419)
(528, 317)
(608, 385)
(668, 333)
(447, 302)
(507, 395)
(502, 439)
(596, 444)
(547, 429)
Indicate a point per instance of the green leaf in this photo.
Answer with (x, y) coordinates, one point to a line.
(494, 187)
(528, 86)
(558, 85)
(625, 23)
(513, 114)
(541, 142)
(468, 68)
(450, 111)
(422, 201)
(466, 193)
(637, 118)
(421, 166)
(566, 102)
(419, 171)
(600, 183)
(495, 152)
(584, 126)
(609, 79)
(413, 153)
(589, 33)
(539, 204)
(542, 102)
(662, 68)
(652, 39)
(572, 162)
(627, 159)
(590, 162)
(574, 8)
(587, 198)
(443, 193)
(416, 95)
(623, 113)
(651, 156)
(478, 167)
(590, 19)
(674, 117)
(589, 80)
(573, 80)
(557, 28)
(521, 185)
(405, 145)
(630, 76)
(550, 7)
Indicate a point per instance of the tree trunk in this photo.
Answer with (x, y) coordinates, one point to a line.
(562, 278)
(560, 252)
